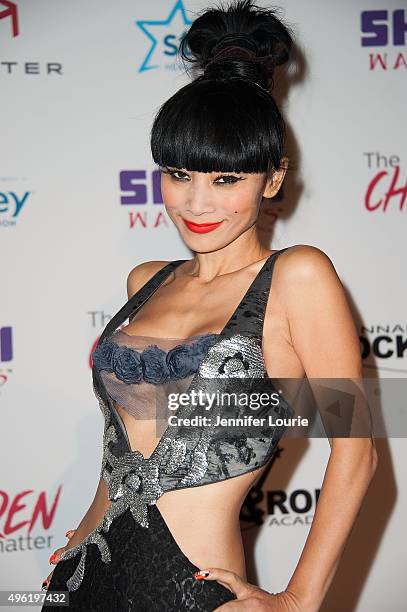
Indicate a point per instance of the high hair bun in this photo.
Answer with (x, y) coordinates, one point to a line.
(241, 40)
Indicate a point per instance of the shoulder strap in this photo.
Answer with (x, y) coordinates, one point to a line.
(140, 297)
(249, 315)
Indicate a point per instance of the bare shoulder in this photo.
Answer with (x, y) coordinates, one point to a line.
(303, 267)
(304, 261)
(315, 307)
(141, 274)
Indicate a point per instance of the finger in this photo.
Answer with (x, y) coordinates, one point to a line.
(56, 556)
(227, 578)
(70, 533)
(46, 582)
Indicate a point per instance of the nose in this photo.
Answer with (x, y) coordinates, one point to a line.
(199, 201)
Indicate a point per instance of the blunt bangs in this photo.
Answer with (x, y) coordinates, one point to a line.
(219, 126)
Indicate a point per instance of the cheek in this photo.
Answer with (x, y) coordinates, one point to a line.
(241, 203)
(170, 193)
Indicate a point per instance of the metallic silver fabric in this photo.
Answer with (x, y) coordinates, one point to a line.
(239, 356)
(133, 481)
(184, 457)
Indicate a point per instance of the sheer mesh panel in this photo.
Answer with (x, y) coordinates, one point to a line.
(147, 402)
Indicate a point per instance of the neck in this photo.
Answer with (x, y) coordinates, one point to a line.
(240, 253)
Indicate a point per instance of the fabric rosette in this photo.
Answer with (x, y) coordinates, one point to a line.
(126, 364)
(184, 360)
(122, 360)
(102, 355)
(153, 365)
(155, 369)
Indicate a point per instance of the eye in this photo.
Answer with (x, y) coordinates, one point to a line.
(228, 179)
(180, 176)
(177, 175)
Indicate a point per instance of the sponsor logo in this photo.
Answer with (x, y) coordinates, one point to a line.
(30, 68)
(8, 10)
(6, 344)
(286, 509)
(384, 342)
(278, 507)
(6, 354)
(386, 30)
(164, 36)
(23, 512)
(386, 192)
(139, 189)
(11, 205)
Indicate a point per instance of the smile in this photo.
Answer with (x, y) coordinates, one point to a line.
(201, 228)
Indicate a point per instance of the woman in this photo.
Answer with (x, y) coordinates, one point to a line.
(168, 501)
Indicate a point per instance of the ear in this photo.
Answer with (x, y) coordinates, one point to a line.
(275, 181)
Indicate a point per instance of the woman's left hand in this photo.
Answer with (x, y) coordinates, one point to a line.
(250, 597)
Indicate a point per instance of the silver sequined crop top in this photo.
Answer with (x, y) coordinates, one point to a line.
(184, 456)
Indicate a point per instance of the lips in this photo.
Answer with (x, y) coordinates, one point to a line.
(201, 228)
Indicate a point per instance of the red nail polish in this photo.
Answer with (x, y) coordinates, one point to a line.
(200, 575)
(52, 558)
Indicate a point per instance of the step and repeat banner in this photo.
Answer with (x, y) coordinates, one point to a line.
(80, 206)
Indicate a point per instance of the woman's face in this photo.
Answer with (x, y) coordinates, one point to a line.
(229, 200)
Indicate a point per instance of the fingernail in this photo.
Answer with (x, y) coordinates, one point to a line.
(69, 533)
(44, 584)
(52, 558)
(201, 574)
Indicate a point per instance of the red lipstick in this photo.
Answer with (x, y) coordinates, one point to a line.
(201, 228)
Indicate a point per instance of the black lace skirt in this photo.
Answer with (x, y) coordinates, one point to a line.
(147, 572)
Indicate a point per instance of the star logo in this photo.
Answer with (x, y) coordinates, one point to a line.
(164, 36)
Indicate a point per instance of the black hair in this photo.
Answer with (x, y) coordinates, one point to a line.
(226, 119)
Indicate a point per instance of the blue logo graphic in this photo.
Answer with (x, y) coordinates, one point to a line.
(6, 344)
(135, 187)
(383, 29)
(165, 36)
(11, 204)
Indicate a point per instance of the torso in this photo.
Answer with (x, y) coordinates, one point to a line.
(197, 309)
(185, 305)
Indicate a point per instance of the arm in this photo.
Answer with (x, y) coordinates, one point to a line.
(325, 339)
(93, 515)
(89, 522)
